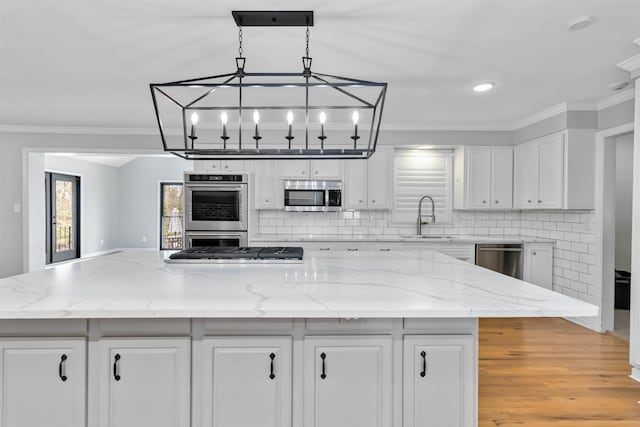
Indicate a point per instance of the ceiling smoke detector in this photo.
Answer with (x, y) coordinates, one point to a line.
(580, 23)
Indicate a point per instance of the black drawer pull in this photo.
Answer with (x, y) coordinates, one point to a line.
(63, 359)
(352, 249)
(323, 356)
(116, 375)
(424, 364)
(272, 356)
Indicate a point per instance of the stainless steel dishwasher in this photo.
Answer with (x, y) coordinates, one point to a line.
(503, 258)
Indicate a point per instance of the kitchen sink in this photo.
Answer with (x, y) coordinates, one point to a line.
(417, 237)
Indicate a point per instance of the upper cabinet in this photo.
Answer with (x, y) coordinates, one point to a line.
(555, 172)
(310, 169)
(220, 166)
(368, 183)
(483, 178)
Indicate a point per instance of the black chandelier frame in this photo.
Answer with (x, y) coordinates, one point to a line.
(307, 79)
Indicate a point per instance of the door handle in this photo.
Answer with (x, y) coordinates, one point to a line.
(61, 367)
(116, 374)
(424, 364)
(271, 374)
(323, 375)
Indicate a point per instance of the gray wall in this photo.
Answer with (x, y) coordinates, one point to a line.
(624, 195)
(99, 204)
(616, 115)
(139, 189)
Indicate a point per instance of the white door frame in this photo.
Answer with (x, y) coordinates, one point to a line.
(605, 219)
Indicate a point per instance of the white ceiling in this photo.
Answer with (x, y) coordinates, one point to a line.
(113, 160)
(89, 63)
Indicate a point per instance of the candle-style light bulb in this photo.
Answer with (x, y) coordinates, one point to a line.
(355, 136)
(290, 118)
(256, 120)
(224, 118)
(355, 117)
(194, 121)
(256, 117)
(322, 137)
(323, 118)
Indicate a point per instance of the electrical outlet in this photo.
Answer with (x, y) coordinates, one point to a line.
(17, 208)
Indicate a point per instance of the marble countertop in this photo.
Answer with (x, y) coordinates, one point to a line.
(138, 283)
(393, 238)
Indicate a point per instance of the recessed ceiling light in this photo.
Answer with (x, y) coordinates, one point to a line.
(580, 23)
(483, 87)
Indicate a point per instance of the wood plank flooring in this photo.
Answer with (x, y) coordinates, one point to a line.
(553, 373)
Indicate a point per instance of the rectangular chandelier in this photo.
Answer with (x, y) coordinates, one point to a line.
(253, 115)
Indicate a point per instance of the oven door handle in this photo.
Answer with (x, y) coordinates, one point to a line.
(224, 187)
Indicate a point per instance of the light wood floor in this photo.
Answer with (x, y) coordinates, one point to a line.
(553, 373)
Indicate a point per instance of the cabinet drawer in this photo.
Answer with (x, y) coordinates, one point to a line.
(349, 324)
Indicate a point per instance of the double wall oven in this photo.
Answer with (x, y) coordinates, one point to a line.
(216, 210)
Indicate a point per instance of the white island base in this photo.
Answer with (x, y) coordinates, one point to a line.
(239, 372)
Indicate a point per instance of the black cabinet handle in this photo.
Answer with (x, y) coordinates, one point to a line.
(323, 356)
(63, 359)
(116, 376)
(272, 356)
(424, 364)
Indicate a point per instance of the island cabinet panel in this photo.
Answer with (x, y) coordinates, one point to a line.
(347, 381)
(144, 382)
(42, 382)
(243, 382)
(439, 381)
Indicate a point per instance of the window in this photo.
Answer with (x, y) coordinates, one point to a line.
(171, 210)
(418, 173)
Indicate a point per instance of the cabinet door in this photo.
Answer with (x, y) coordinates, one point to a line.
(206, 166)
(326, 169)
(355, 184)
(42, 382)
(246, 382)
(479, 178)
(232, 166)
(379, 178)
(551, 177)
(347, 381)
(439, 381)
(501, 178)
(293, 169)
(264, 184)
(144, 382)
(538, 265)
(525, 176)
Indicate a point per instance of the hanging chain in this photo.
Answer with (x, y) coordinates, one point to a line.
(307, 41)
(240, 42)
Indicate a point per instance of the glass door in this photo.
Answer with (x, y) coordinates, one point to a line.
(63, 217)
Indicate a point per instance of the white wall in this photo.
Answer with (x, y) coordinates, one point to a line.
(624, 192)
(98, 203)
(139, 189)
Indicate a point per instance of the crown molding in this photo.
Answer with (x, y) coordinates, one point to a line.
(632, 65)
(554, 111)
(618, 98)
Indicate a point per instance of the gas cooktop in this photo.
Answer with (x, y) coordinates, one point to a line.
(211, 254)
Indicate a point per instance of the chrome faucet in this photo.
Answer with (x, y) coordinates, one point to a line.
(420, 223)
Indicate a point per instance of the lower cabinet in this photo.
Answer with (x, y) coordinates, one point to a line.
(144, 382)
(347, 381)
(538, 264)
(244, 382)
(42, 382)
(439, 384)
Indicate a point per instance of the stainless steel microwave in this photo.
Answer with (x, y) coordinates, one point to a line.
(313, 196)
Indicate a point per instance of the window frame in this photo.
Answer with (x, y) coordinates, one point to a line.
(447, 153)
(161, 213)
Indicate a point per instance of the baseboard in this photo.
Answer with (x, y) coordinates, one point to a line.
(635, 374)
(99, 253)
(592, 323)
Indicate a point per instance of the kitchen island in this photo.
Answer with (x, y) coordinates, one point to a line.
(340, 339)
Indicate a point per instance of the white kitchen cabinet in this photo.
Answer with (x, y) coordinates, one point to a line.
(555, 171)
(439, 381)
(368, 182)
(265, 185)
(245, 382)
(144, 382)
(325, 169)
(483, 178)
(293, 169)
(219, 166)
(347, 381)
(42, 382)
(538, 264)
